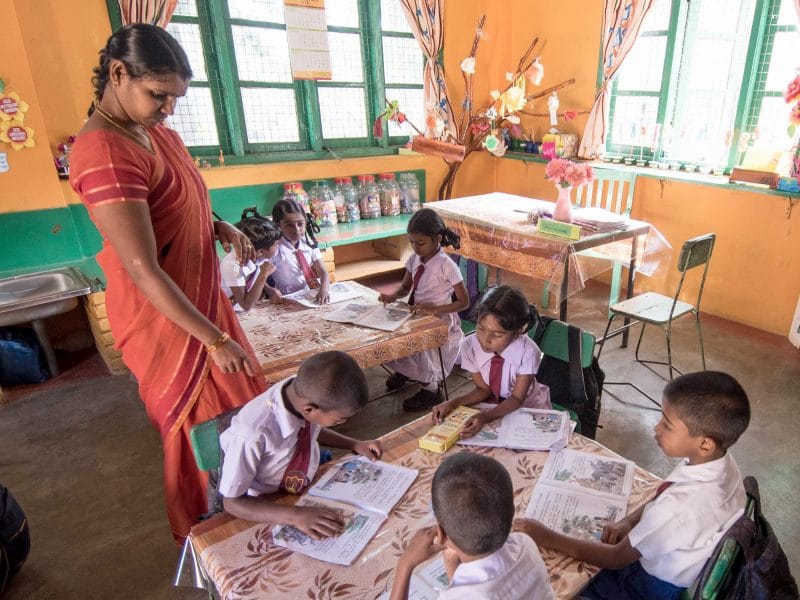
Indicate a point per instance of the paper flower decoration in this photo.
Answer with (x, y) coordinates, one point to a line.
(17, 135)
(433, 123)
(12, 108)
(792, 94)
(513, 99)
(535, 72)
(468, 65)
(493, 144)
(566, 173)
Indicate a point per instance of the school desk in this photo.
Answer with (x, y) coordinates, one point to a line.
(236, 558)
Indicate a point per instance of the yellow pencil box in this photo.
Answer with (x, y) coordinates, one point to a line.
(440, 437)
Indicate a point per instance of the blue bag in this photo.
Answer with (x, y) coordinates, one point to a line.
(21, 359)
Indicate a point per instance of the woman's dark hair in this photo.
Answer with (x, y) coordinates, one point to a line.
(258, 229)
(284, 207)
(509, 306)
(427, 222)
(144, 50)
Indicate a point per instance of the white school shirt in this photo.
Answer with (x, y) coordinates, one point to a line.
(288, 275)
(232, 274)
(515, 571)
(521, 357)
(260, 443)
(680, 528)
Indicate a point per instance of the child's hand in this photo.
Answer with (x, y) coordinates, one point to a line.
(266, 270)
(473, 425)
(322, 295)
(533, 528)
(421, 547)
(387, 298)
(425, 309)
(369, 448)
(318, 522)
(440, 411)
(275, 296)
(614, 532)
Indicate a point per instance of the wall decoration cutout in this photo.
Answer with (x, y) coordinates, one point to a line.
(18, 136)
(12, 114)
(12, 108)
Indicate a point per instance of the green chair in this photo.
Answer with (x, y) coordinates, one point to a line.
(612, 190)
(661, 310)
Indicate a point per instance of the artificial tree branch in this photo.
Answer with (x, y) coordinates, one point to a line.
(574, 113)
(550, 90)
(466, 107)
(414, 127)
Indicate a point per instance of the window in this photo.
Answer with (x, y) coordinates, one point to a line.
(705, 80)
(244, 101)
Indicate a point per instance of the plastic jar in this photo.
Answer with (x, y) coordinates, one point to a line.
(369, 202)
(390, 195)
(411, 193)
(338, 201)
(322, 205)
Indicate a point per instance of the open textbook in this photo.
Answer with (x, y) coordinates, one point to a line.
(337, 292)
(364, 492)
(579, 493)
(376, 316)
(426, 582)
(524, 429)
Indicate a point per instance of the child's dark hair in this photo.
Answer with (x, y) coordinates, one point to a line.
(473, 501)
(285, 206)
(262, 232)
(427, 221)
(509, 306)
(145, 50)
(711, 404)
(333, 381)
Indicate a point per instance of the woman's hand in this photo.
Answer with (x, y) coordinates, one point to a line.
(231, 358)
(233, 239)
(323, 297)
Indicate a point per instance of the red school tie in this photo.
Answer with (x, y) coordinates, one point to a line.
(308, 274)
(417, 277)
(495, 376)
(662, 488)
(295, 478)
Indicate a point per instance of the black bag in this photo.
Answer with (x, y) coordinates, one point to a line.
(761, 570)
(571, 385)
(15, 541)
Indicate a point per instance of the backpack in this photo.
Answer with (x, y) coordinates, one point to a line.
(760, 570)
(572, 386)
(15, 541)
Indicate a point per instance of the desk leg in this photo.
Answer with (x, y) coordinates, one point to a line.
(562, 305)
(629, 292)
(444, 377)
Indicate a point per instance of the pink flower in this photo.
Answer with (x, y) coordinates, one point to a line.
(566, 173)
(795, 116)
(792, 92)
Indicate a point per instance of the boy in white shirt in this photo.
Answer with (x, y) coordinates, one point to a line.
(659, 550)
(273, 442)
(473, 501)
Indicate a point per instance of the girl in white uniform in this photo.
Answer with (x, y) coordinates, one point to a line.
(431, 278)
(503, 360)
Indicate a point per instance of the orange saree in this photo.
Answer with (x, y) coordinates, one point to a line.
(178, 382)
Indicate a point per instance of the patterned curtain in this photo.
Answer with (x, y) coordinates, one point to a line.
(155, 12)
(621, 24)
(797, 8)
(426, 20)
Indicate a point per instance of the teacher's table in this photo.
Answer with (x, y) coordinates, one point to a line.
(284, 335)
(494, 230)
(238, 560)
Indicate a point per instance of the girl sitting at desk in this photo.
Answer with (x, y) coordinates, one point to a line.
(298, 262)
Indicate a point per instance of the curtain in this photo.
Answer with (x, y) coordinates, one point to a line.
(621, 24)
(426, 20)
(797, 8)
(155, 12)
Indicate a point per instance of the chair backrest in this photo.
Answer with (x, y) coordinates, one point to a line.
(694, 252)
(205, 440)
(612, 189)
(555, 343)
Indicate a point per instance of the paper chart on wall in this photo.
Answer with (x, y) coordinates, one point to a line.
(307, 35)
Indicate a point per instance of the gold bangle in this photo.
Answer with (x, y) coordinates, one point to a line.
(218, 343)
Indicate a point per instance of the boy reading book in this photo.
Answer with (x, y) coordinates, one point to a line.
(473, 501)
(661, 548)
(273, 442)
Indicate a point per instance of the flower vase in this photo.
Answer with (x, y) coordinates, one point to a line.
(563, 209)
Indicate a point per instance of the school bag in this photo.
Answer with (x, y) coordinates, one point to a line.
(15, 541)
(760, 571)
(571, 385)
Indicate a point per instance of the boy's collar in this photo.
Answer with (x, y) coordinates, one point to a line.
(287, 403)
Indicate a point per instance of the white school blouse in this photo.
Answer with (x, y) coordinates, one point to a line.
(680, 528)
(232, 274)
(260, 443)
(288, 275)
(515, 571)
(520, 357)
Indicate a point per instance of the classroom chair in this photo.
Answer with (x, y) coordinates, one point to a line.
(476, 278)
(657, 309)
(612, 189)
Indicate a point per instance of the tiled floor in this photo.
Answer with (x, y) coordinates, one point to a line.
(84, 462)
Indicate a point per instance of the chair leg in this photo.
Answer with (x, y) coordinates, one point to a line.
(700, 336)
(616, 276)
(668, 334)
(603, 339)
(639, 343)
(546, 295)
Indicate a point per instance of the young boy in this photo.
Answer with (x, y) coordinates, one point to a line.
(273, 442)
(659, 550)
(473, 501)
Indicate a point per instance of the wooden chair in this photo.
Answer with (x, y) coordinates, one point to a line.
(612, 190)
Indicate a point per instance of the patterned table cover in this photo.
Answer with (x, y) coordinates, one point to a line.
(283, 335)
(239, 559)
(494, 230)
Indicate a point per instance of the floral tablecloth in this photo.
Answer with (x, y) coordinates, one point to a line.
(283, 335)
(239, 559)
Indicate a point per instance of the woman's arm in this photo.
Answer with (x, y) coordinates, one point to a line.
(127, 227)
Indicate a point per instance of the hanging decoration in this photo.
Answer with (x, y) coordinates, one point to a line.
(12, 116)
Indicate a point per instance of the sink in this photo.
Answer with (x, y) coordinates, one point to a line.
(35, 289)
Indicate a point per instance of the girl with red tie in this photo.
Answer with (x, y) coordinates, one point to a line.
(503, 360)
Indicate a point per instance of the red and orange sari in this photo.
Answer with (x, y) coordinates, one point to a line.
(177, 380)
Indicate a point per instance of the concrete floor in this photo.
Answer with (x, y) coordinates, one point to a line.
(85, 463)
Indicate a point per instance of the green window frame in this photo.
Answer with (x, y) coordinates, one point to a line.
(225, 85)
(678, 42)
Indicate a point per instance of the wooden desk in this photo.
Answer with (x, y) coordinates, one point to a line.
(283, 335)
(238, 558)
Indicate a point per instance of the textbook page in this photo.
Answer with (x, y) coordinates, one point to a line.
(427, 581)
(577, 515)
(524, 429)
(337, 292)
(375, 486)
(590, 473)
(360, 527)
(369, 315)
